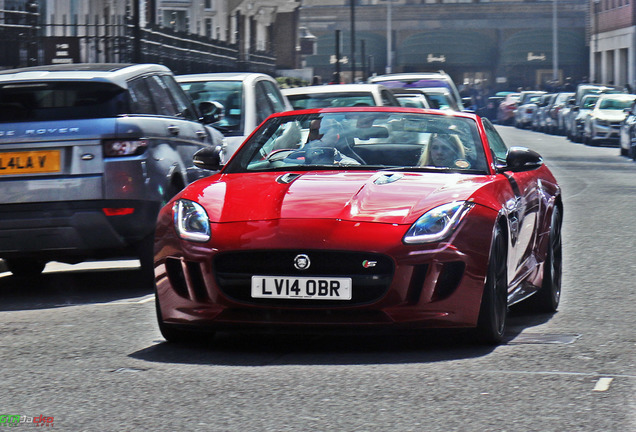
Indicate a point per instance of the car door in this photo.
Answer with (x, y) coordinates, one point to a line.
(183, 132)
(522, 211)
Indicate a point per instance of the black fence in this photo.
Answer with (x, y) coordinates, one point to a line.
(25, 42)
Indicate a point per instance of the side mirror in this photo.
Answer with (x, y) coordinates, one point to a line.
(519, 159)
(208, 158)
(211, 111)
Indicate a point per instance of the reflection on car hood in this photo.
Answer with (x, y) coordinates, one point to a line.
(351, 196)
(610, 115)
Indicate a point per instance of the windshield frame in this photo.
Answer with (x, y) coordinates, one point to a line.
(261, 153)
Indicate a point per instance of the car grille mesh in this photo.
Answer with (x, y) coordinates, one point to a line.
(371, 274)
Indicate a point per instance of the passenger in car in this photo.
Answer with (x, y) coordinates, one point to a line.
(444, 151)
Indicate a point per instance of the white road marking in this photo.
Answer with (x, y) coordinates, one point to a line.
(147, 299)
(603, 384)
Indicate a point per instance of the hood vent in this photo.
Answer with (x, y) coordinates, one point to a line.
(388, 178)
(287, 178)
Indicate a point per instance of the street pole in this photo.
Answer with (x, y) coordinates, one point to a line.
(32, 8)
(336, 79)
(555, 45)
(364, 60)
(389, 35)
(353, 40)
(136, 54)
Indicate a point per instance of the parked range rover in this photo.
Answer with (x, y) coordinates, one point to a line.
(88, 154)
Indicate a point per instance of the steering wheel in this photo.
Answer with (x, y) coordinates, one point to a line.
(320, 155)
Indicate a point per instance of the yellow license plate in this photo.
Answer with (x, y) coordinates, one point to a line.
(30, 162)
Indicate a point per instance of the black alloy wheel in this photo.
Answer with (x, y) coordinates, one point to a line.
(548, 297)
(493, 313)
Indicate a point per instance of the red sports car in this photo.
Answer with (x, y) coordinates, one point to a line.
(366, 218)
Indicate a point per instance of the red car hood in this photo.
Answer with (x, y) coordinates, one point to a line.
(351, 196)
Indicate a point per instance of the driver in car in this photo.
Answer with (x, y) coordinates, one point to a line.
(324, 138)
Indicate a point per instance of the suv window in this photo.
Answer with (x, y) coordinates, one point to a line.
(60, 101)
(161, 96)
(184, 106)
(140, 99)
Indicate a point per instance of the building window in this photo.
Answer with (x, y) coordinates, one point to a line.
(208, 4)
(208, 27)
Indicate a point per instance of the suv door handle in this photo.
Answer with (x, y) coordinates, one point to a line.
(174, 130)
(201, 134)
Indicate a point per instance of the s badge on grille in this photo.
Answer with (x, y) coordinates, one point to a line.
(302, 262)
(369, 264)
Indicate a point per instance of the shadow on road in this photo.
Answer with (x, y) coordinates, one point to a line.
(248, 349)
(69, 287)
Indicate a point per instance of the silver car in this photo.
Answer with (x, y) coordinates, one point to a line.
(242, 99)
(88, 154)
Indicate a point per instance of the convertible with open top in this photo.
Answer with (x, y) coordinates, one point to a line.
(369, 218)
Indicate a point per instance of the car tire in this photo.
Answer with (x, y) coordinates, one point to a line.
(547, 298)
(146, 255)
(25, 267)
(491, 324)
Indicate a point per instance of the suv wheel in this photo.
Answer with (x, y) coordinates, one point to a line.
(25, 267)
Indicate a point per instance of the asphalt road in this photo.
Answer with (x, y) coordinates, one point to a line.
(80, 347)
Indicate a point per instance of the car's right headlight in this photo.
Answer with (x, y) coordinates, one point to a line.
(191, 221)
(438, 223)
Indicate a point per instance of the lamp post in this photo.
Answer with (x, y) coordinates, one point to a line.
(389, 36)
(555, 44)
(353, 40)
(32, 8)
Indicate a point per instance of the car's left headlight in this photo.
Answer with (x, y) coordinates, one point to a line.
(438, 223)
(191, 221)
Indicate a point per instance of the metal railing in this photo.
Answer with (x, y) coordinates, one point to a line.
(25, 42)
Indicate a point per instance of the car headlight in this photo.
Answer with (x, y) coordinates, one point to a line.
(602, 122)
(438, 223)
(191, 221)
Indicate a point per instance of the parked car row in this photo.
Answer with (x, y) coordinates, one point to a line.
(594, 115)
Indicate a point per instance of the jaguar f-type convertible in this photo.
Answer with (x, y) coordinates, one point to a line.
(369, 218)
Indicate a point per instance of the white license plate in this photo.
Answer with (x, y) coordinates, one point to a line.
(314, 288)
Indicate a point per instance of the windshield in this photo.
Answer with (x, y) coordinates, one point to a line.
(331, 99)
(615, 104)
(412, 101)
(439, 100)
(227, 93)
(589, 102)
(364, 140)
(71, 100)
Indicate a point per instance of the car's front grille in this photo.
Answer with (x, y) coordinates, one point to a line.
(371, 274)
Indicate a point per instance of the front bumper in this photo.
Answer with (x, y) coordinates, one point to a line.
(605, 133)
(436, 285)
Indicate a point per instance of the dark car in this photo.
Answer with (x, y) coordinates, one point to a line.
(88, 154)
(628, 133)
(374, 218)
